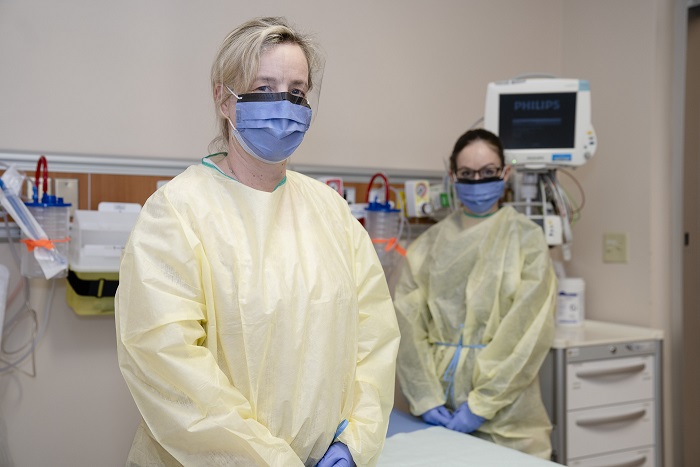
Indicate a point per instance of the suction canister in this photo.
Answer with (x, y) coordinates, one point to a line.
(53, 215)
(382, 223)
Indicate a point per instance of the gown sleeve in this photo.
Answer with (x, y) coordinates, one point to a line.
(520, 333)
(378, 341)
(416, 368)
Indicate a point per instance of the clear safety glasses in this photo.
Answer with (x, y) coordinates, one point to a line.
(490, 171)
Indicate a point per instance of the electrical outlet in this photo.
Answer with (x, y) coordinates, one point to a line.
(615, 247)
(67, 188)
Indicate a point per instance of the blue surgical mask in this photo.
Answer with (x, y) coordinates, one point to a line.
(479, 196)
(270, 126)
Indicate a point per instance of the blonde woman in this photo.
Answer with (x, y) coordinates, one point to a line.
(254, 323)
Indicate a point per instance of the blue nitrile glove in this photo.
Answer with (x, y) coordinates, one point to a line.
(464, 420)
(338, 455)
(439, 415)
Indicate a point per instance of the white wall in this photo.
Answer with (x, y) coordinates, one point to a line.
(618, 179)
(403, 79)
(77, 410)
(625, 48)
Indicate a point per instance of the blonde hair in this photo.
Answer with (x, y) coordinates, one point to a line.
(237, 62)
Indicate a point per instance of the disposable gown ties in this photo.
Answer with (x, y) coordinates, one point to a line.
(449, 375)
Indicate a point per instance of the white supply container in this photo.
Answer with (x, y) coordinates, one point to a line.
(98, 239)
(570, 301)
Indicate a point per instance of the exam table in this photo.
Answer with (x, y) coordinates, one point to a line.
(411, 442)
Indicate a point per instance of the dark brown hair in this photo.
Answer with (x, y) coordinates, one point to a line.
(478, 134)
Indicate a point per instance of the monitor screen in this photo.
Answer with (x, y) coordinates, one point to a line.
(533, 121)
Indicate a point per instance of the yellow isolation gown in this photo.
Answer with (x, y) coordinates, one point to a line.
(251, 324)
(492, 285)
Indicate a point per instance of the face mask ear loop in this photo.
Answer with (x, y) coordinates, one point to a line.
(237, 98)
(503, 173)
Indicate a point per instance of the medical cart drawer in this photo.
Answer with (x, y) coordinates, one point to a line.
(609, 429)
(612, 381)
(633, 458)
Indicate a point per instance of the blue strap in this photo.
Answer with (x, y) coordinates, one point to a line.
(341, 427)
(449, 375)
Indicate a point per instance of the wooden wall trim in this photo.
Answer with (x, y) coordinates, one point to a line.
(133, 180)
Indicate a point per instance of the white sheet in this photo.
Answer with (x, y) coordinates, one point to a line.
(443, 447)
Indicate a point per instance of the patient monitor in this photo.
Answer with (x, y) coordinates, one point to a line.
(544, 125)
(542, 122)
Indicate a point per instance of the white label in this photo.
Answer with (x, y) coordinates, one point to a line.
(569, 308)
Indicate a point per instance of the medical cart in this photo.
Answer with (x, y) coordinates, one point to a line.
(601, 385)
